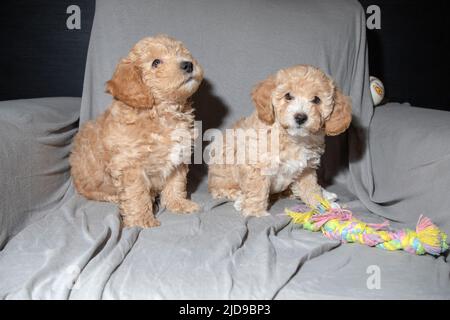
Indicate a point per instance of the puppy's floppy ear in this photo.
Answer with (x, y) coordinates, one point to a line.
(262, 98)
(127, 86)
(341, 116)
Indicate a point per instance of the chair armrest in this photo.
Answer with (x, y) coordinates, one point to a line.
(35, 138)
(410, 153)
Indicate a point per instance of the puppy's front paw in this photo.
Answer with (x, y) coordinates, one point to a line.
(182, 206)
(148, 221)
(329, 196)
(216, 194)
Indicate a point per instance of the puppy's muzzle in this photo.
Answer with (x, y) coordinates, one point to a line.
(300, 118)
(187, 66)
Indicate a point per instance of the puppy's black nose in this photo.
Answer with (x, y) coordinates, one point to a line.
(300, 118)
(187, 66)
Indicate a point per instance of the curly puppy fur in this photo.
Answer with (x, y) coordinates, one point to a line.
(302, 105)
(133, 151)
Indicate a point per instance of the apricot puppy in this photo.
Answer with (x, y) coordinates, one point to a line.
(135, 149)
(299, 105)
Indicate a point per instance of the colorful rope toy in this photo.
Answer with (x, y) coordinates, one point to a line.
(337, 223)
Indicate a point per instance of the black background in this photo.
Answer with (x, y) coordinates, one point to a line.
(40, 57)
(410, 53)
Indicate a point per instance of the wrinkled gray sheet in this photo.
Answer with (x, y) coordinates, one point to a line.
(410, 149)
(35, 137)
(77, 250)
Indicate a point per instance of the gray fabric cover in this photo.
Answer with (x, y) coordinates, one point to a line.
(411, 164)
(77, 249)
(35, 137)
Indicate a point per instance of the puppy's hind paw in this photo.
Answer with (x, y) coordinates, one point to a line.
(182, 206)
(258, 214)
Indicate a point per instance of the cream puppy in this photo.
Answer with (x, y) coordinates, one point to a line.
(299, 105)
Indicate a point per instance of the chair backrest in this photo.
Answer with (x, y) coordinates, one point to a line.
(238, 42)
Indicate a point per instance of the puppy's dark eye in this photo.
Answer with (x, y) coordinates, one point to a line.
(316, 100)
(288, 97)
(156, 63)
